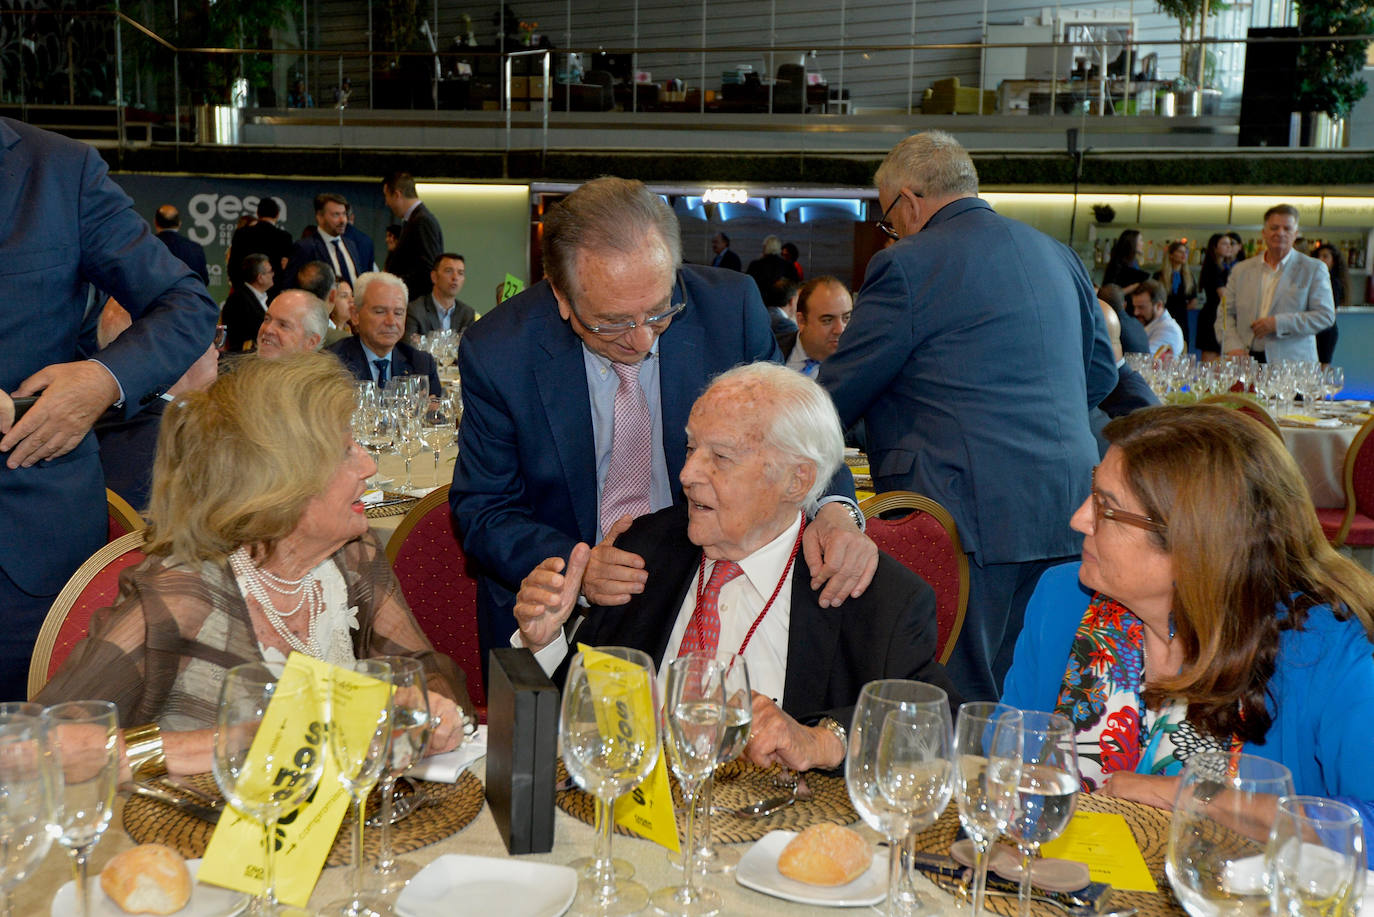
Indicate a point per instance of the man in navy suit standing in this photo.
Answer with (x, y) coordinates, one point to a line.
(975, 353)
(168, 222)
(328, 244)
(377, 352)
(66, 229)
(575, 400)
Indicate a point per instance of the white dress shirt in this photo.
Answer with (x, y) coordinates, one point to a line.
(341, 271)
(1269, 281)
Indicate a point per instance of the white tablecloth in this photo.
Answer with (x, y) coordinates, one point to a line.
(1320, 455)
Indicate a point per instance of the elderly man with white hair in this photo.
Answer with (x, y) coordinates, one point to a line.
(723, 574)
(377, 352)
(296, 322)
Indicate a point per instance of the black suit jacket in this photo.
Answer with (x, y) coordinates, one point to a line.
(728, 260)
(422, 315)
(191, 254)
(421, 242)
(363, 243)
(1134, 338)
(242, 314)
(259, 239)
(888, 632)
(314, 248)
(405, 360)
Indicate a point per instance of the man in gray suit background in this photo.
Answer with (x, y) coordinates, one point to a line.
(1275, 304)
(975, 352)
(440, 309)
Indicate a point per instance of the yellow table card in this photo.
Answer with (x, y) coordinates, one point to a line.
(647, 810)
(233, 858)
(1104, 843)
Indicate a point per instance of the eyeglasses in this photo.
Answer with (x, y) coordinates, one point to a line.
(656, 322)
(1102, 511)
(884, 226)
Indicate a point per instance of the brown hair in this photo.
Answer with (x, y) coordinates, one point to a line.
(237, 463)
(1244, 541)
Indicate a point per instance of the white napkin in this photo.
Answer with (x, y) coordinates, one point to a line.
(449, 766)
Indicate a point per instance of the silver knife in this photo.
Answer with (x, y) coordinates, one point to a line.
(205, 813)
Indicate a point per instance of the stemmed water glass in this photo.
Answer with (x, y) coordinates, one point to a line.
(411, 728)
(914, 773)
(438, 426)
(408, 441)
(1048, 788)
(1333, 380)
(83, 737)
(360, 750)
(610, 738)
(1223, 811)
(26, 801)
(739, 715)
(862, 773)
(250, 782)
(694, 722)
(987, 773)
(1315, 859)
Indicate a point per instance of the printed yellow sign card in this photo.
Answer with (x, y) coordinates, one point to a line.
(624, 710)
(292, 737)
(1103, 842)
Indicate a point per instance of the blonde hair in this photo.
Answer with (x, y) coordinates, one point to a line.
(237, 463)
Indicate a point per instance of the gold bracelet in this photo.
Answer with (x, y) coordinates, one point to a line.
(143, 748)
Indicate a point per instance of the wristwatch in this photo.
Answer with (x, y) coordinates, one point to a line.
(832, 725)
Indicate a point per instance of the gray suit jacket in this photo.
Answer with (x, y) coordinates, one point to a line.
(1302, 306)
(422, 315)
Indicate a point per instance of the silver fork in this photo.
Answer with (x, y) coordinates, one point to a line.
(403, 806)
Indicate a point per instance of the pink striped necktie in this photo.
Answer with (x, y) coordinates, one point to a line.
(628, 478)
(703, 630)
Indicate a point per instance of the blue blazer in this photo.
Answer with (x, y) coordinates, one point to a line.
(363, 243)
(313, 248)
(65, 227)
(976, 350)
(524, 484)
(405, 360)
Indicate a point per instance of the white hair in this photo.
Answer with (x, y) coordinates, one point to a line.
(772, 245)
(387, 280)
(803, 424)
(930, 163)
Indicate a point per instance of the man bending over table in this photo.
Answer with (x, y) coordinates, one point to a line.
(724, 575)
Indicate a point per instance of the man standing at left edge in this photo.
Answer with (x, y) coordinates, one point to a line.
(66, 228)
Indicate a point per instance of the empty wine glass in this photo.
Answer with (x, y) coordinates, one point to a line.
(693, 721)
(253, 785)
(862, 773)
(411, 727)
(1048, 788)
(26, 800)
(914, 773)
(438, 426)
(1333, 380)
(83, 737)
(1219, 830)
(739, 715)
(1315, 858)
(987, 773)
(360, 749)
(610, 738)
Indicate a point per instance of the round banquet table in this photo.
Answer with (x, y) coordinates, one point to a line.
(572, 838)
(1320, 454)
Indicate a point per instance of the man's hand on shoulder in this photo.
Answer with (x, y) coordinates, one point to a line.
(840, 557)
(547, 597)
(614, 575)
(74, 396)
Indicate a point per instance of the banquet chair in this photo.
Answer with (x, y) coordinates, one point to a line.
(1353, 525)
(433, 571)
(1248, 406)
(926, 541)
(123, 517)
(94, 585)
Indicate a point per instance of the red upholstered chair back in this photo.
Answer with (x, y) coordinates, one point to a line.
(123, 517)
(93, 586)
(1360, 470)
(433, 572)
(926, 541)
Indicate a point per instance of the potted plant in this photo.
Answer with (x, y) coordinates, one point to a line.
(1329, 79)
(1104, 213)
(1197, 67)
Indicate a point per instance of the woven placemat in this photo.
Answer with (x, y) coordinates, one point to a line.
(1149, 825)
(451, 807)
(392, 509)
(738, 783)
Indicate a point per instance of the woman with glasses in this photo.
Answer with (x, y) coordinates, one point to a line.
(1207, 612)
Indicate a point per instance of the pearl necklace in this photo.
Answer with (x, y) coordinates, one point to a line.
(258, 581)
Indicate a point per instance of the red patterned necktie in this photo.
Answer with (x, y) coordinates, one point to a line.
(632, 441)
(703, 630)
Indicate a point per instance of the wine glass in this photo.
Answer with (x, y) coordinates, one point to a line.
(410, 732)
(913, 765)
(739, 715)
(26, 802)
(1315, 859)
(83, 737)
(438, 426)
(861, 770)
(360, 753)
(1048, 788)
(250, 784)
(1333, 379)
(987, 773)
(610, 739)
(1222, 814)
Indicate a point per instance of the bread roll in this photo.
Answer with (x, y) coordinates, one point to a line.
(825, 854)
(149, 879)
